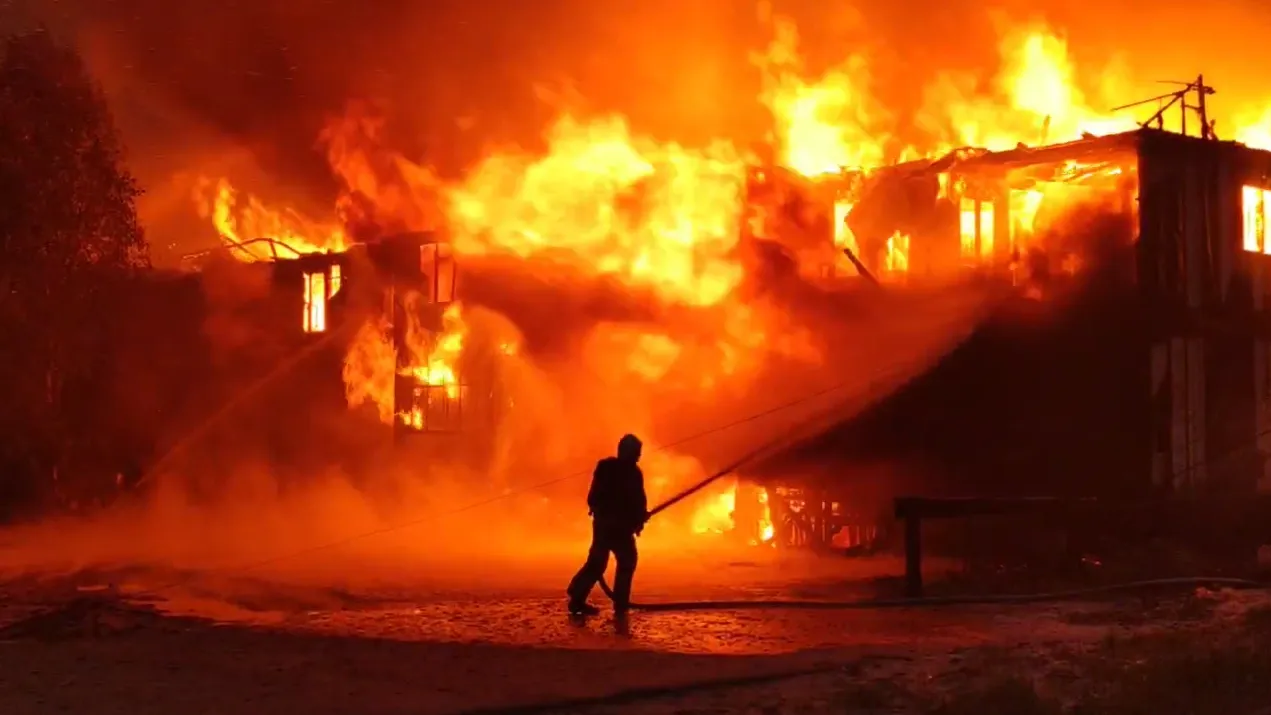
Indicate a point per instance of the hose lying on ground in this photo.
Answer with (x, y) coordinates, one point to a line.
(866, 604)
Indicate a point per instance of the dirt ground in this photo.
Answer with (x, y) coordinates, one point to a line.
(143, 641)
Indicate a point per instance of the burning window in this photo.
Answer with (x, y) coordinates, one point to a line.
(335, 281)
(437, 267)
(1024, 205)
(315, 316)
(1255, 204)
(896, 253)
(429, 395)
(976, 228)
(843, 236)
(319, 288)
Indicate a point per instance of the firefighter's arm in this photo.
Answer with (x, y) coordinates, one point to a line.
(643, 498)
(593, 491)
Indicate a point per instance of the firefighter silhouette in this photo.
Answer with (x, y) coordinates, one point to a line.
(619, 508)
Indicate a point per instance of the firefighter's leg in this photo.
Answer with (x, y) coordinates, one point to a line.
(591, 571)
(624, 551)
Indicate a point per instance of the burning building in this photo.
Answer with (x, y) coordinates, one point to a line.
(1127, 354)
(1124, 355)
(672, 283)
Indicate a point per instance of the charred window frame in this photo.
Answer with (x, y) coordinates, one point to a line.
(315, 313)
(434, 408)
(335, 280)
(438, 269)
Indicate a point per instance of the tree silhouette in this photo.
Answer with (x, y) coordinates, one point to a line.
(68, 225)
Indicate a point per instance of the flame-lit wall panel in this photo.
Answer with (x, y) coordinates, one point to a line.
(1200, 288)
(1148, 379)
(1043, 407)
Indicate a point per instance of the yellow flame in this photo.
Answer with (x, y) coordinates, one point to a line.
(1256, 206)
(822, 125)
(896, 254)
(239, 223)
(431, 360)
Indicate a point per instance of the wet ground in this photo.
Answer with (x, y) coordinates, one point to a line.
(529, 612)
(142, 641)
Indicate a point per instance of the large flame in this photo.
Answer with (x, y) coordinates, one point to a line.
(653, 214)
(1253, 127)
(824, 124)
(1036, 99)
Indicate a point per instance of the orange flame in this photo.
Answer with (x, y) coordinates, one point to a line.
(1256, 205)
(1254, 128)
(290, 234)
(434, 363)
(766, 528)
(896, 254)
(822, 125)
(656, 215)
(1037, 99)
(434, 360)
(717, 514)
(372, 363)
(369, 369)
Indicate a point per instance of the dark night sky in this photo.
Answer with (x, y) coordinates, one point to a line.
(242, 86)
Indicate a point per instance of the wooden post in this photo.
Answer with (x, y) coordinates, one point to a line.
(913, 556)
(403, 385)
